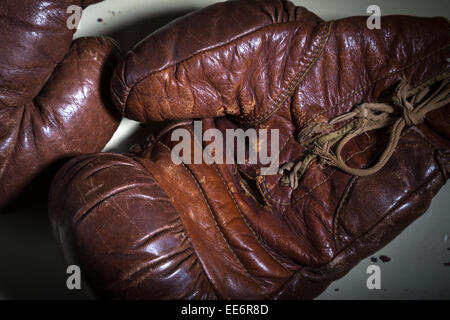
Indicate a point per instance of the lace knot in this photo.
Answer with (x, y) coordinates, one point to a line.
(412, 118)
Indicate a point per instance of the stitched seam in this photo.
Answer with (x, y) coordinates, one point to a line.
(386, 76)
(241, 176)
(381, 219)
(278, 156)
(356, 239)
(302, 196)
(267, 201)
(341, 205)
(255, 178)
(426, 140)
(176, 64)
(260, 242)
(294, 83)
(338, 213)
(317, 185)
(244, 173)
(281, 150)
(282, 147)
(431, 80)
(279, 102)
(356, 91)
(214, 218)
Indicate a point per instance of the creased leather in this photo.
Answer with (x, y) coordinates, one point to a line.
(230, 232)
(54, 100)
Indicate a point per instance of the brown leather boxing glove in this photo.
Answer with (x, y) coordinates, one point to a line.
(364, 139)
(54, 94)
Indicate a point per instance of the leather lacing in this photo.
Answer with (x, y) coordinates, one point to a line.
(409, 108)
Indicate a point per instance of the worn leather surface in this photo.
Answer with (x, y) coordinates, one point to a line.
(54, 94)
(142, 227)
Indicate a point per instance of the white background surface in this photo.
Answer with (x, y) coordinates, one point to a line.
(32, 266)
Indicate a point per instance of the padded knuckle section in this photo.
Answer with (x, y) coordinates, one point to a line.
(77, 97)
(152, 83)
(110, 214)
(96, 48)
(71, 115)
(37, 30)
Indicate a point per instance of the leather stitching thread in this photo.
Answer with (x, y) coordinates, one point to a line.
(338, 212)
(325, 143)
(315, 186)
(368, 232)
(143, 77)
(359, 90)
(279, 102)
(260, 242)
(354, 92)
(341, 205)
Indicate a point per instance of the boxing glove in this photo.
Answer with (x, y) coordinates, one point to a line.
(363, 146)
(54, 93)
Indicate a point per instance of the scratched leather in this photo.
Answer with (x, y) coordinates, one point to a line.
(142, 227)
(54, 100)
